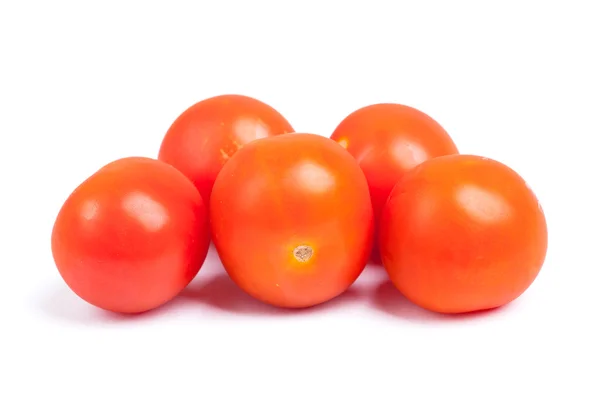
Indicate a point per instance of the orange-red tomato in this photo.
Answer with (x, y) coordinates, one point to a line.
(291, 219)
(131, 236)
(209, 132)
(387, 140)
(462, 233)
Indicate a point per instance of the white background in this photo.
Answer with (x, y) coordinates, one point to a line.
(84, 83)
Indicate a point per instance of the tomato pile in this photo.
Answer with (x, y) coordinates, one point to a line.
(296, 217)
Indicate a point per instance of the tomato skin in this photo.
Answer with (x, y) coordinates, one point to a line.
(388, 140)
(276, 197)
(208, 133)
(462, 233)
(131, 236)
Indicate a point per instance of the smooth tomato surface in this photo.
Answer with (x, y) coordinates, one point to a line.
(131, 236)
(387, 140)
(209, 132)
(462, 233)
(292, 220)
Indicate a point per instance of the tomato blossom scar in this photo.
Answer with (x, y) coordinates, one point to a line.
(303, 253)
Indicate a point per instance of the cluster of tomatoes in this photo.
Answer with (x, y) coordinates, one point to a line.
(295, 217)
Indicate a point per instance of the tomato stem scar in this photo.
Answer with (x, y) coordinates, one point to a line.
(303, 253)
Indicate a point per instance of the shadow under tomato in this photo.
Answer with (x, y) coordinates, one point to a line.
(221, 293)
(388, 299)
(375, 257)
(59, 302)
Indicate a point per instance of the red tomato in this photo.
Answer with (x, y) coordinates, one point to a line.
(292, 219)
(131, 236)
(462, 233)
(387, 140)
(208, 133)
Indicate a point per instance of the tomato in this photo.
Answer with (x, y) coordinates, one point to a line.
(131, 236)
(387, 140)
(291, 219)
(209, 132)
(462, 233)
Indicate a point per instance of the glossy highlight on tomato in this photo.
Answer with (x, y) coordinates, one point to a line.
(291, 219)
(131, 236)
(208, 133)
(462, 233)
(388, 140)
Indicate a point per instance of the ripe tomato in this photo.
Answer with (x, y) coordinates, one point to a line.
(131, 236)
(208, 133)
(462, 233)
(387, 140)
(291, 219)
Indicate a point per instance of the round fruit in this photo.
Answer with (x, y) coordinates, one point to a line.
(208, 133)
(131, 236)
(462, 233)
(292, 220)
(387, 140)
